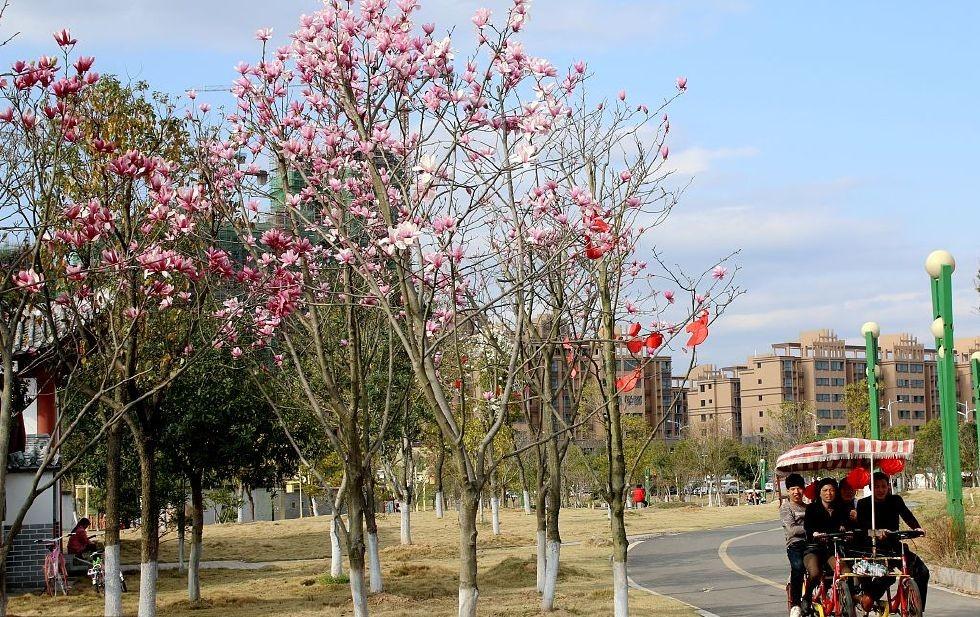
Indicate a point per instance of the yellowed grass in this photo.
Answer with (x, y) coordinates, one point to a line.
(420, 579)
(939, 546)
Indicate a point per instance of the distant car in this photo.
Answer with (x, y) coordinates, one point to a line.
(769, 487)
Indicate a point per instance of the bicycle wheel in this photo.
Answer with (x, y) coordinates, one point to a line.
(845, 603)
(911, 605)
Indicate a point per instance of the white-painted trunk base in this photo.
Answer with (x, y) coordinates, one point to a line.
(357, 593)
(194, 574)
(180, 552)
(148, 589)
(113, 587)
(495, 514)
(527, 502)
(551, 576)
(376, 582)
(440, 505)
(621, 604)
(336, 559)
(542, 560)
(467, 601)
(406, 523)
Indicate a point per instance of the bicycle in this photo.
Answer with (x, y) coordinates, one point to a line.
(907, 600)
(833, 599)
(54, 568)
(96, 572)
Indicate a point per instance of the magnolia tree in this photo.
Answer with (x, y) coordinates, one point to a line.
(421, 175)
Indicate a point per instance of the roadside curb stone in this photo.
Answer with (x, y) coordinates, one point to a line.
(967, 582)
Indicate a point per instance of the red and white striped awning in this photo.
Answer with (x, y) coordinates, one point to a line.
(841, 453)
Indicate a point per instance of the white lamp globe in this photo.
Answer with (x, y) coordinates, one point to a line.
(975, 356)
(938, 327)
(936, 260)
(871, 327)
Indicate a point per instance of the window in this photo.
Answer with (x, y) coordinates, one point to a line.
(822, 365)
(838, 413)
(709, 386)
(903, 383)
(903, 398)
(918, 383)
(904, 414)
(837, 365)
(916, 368)
(760, 382)
(710, 401)
(787, 383)
(902, 367)
(836, 397)
(760, 414)
(702, 387)
(762, 430)
(823, 381)
(823, 413)
(837, 381)
(704, 432)
(702, 402)
(823, 430)
(758, 365)
(704, 417)
(918, 398)
(760, 397)
(787, 365)
(920, 415)
(823, 398)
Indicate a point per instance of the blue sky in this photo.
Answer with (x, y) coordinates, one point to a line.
(834, 143)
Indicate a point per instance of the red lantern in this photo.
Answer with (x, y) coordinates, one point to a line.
(634, 329)
(698, 329)
(892, 466)
(858, 477)
(634, 345)
(599, 226)
(592, 251)
(654, 341)
(810, 492)
(626, 383)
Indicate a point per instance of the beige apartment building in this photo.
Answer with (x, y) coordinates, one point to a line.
(816, 368)
(714, 402)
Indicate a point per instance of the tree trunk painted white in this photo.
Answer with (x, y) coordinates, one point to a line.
(620, 589)
(467, 602)
(241, 506)
(377, 584)
(406, 522)
(551, 576)
(180, 550)
(148, 589)
(483, 518)
(336, 559)
(542, 559)
(194, 574)
(440, 506)
(527, 502)
(357, 593)
(314, 501)
(608, 511)
(495, 514)
(113, 586)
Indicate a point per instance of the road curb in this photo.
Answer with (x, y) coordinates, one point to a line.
(959, 580)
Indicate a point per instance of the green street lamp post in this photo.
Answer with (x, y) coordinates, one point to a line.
(975, 371)
(870, 330)
(940, 266)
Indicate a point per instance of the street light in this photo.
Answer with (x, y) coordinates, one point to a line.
(889, 410)
(870, 331)
(940, 265)
(975, 373)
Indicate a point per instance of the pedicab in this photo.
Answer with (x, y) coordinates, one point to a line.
(859, 457)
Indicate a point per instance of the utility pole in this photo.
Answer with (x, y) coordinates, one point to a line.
(940, 266)
(870, 330)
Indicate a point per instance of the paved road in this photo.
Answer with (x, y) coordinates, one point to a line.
(689, 567)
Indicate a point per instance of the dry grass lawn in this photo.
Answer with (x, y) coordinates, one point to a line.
(938, 546)
(418, 579)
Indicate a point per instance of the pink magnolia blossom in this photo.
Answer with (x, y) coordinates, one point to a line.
(481, 17)
(669, 296)
(622, 95)
(719, 272)
(682, 83)
(664, 151)
(28, 280)
(625, 175)
(63, 38)
(263, 34)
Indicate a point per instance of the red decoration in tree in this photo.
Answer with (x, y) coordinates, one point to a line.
(810, 492)
(892, 466)
(458, 384)
(599, 226)
(627, 383)
(858, 477)
(634, 345)
(698, 329)
(654, 341)
(592, 251)
(634, 329)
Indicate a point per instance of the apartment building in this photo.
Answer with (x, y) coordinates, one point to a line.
(714, 402)
(815, 370)
(965, 347)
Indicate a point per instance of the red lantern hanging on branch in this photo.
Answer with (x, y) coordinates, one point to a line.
(892, 466)
(634, 345)
(627, 383)
(634, 329)
(698, 329)
(858, 477)
(810, 492)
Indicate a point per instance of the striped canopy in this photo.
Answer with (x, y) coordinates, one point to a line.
(841, 453)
